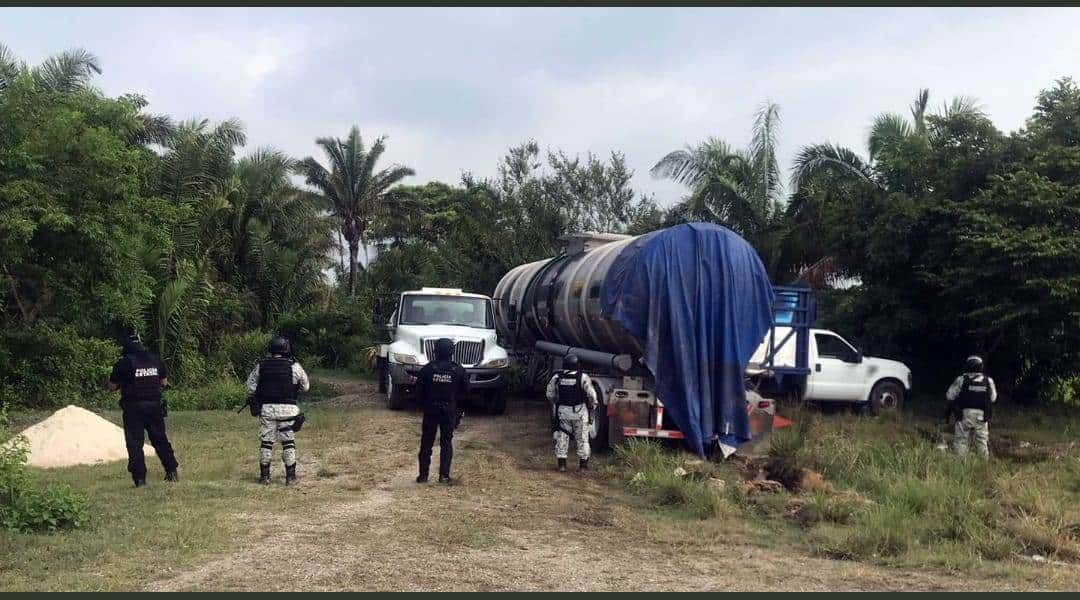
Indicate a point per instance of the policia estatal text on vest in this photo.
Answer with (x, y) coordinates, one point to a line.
(275, 385)
(140, 376)
(438, 386)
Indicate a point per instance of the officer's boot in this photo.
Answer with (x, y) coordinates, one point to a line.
(583, 464)
(290, 474)
(139, 481)
(172, 476)
(562, 465)
(264, 474)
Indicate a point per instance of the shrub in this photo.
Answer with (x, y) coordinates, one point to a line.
(238, 353)
(26, 508)
(216, 395)
(42, 366)
(338, 336)
(1064, 390)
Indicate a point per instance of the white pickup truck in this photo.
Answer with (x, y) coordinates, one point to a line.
(840, 373)
(423, 316)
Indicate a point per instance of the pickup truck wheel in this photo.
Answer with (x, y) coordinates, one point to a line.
(395, 398)
(886, 397)
(496, 402)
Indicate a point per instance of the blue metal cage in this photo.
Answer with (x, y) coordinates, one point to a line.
(794, 307)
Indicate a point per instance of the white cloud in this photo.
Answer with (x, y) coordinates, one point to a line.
(453, 88)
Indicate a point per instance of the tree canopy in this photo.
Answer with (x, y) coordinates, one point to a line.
(942, 237)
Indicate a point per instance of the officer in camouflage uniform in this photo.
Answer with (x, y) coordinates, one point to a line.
(572, 397)
(971, 398)
(275, 384)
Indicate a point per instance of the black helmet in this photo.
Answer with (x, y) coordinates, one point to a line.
(279, 345)
(131, 344)
(570, 361)
(973, 364)
(444, 349)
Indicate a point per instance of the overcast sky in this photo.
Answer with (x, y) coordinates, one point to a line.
(453, 88)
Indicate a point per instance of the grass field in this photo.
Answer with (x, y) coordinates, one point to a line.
(890, 513)
(886, 495)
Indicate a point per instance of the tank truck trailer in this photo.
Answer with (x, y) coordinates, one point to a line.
(550, 308)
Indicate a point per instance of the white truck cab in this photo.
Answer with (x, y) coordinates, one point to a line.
(423, 316)
(840, 373)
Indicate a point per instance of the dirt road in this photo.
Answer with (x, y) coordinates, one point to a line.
(510, 523)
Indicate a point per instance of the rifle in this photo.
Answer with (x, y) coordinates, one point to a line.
(251, 403)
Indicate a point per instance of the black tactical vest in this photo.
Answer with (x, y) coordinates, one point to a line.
(145, 384)
(974, 394)
(445, 383)
(570, 390)
(275, 382)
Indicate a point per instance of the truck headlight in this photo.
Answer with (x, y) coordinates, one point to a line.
(495, 363)
(405, 359)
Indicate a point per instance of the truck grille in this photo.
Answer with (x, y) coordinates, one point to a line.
(465, 353)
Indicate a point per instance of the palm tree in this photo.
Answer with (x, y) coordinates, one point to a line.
(352, 188)
(889, 134)
(198, 158)
(65, 72)
(740, 189)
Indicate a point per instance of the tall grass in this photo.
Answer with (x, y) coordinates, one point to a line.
(934, 506)
(890, 497)
(650, 471)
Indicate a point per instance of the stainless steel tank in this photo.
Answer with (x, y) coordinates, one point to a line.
(558, 299)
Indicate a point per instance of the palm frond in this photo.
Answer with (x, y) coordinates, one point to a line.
(962, 106)
(887, 131)
(816, 159)
(918, 110)
(156, 129)
(10, 65)
(762, 152)
(679, 166)
(67, 71)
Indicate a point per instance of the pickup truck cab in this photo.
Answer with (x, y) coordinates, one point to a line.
(840, 373)
(423, 316)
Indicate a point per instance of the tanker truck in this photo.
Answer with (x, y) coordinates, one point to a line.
(665, 324)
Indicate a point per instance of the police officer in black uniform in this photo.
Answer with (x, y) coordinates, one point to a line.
(438, 385)
(140, 376)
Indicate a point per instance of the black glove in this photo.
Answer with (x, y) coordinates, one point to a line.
(164, 408)
(457, 421)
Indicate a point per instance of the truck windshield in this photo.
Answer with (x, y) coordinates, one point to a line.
(418, 309)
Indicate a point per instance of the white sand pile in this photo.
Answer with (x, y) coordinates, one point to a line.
(75, 436)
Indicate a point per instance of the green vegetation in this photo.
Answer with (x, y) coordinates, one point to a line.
(951, 237)
(26, 506)
(670, 480)
(885, 494)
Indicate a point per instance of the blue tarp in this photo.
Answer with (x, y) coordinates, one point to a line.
(699, 300)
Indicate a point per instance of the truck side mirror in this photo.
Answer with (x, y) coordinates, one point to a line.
(857, 357)
(377, 311)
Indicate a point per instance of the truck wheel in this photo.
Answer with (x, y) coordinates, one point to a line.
(496, 402)
(395, 398)
(886, 397)
(382, 372)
